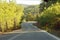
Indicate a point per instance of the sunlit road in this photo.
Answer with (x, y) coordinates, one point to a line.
(29, 32)
(27, 26)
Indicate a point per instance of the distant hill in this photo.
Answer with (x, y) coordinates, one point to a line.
(31, 9)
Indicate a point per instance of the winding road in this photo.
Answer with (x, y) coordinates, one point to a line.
(28, 32)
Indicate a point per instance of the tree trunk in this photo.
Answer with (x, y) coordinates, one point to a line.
(0, 27)
(14, 24)
(6, 26)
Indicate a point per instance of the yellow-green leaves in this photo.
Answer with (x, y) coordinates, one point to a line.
(50, 15)
(10, 14)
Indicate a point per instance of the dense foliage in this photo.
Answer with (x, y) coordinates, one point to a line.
(51, 16)
(30, 17)
(46, 3)
(31, 12)
(10, 16)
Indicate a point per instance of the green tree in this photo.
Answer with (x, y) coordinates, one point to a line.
(46, 3)
(10, 16)
(50, 16)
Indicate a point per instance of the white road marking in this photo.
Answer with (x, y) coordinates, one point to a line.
(14, 37)
(53, 36)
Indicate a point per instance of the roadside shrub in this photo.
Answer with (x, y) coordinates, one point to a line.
(50, 15)
(56, 25)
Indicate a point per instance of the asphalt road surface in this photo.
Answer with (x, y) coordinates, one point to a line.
(29, 32)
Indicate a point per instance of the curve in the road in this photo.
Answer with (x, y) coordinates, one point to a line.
(30, 32)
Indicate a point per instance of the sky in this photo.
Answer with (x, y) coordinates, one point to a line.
(28, 2)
